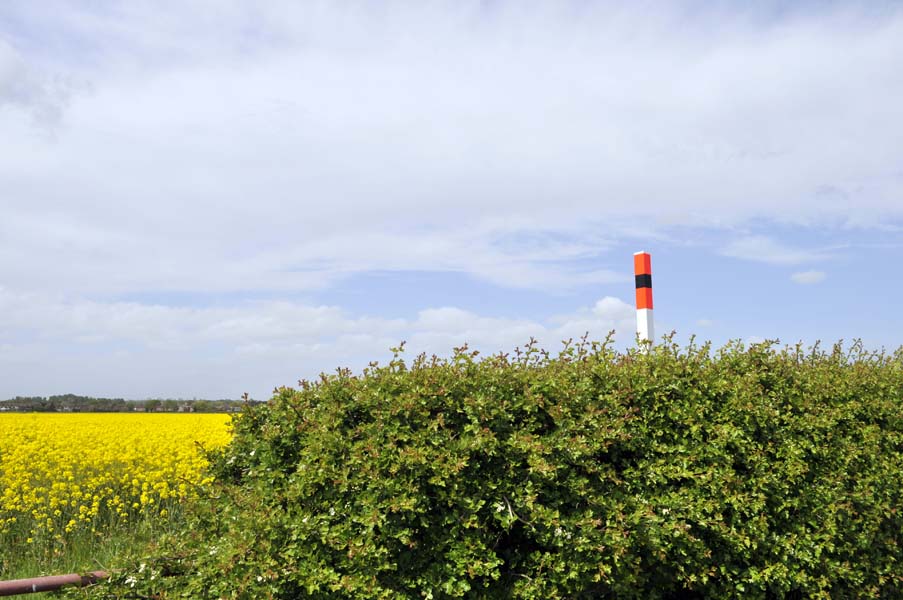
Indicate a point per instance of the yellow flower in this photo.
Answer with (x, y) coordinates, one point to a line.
(63, 473)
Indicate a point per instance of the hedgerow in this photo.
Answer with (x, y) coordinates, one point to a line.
(663, 472)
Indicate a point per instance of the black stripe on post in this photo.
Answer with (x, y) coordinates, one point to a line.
(644, 281)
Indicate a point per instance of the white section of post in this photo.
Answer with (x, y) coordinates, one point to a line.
(644, 327)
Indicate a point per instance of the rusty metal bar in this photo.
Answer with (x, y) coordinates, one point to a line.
(49, 583)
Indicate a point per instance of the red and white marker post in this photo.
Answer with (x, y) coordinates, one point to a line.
(642, 270)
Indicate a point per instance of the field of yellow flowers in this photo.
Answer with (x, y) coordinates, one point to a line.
(62, 474)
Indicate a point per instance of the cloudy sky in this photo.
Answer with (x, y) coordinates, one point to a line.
(201, 199)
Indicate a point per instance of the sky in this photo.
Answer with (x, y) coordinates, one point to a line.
(202, 199)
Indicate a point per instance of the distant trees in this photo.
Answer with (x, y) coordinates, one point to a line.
(75, 403)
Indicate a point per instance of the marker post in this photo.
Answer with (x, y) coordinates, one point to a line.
(642, 270)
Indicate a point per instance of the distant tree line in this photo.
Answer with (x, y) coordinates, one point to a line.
(74, 403)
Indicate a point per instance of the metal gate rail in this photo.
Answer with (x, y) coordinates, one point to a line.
(49, 583)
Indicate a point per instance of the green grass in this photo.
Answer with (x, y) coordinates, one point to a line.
(107, 550)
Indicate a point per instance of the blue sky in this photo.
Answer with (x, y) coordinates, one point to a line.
(203, 199)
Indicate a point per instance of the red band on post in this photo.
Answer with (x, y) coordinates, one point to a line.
(643, 298)
(642, 263)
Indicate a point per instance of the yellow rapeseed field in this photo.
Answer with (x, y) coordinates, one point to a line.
(70, 472)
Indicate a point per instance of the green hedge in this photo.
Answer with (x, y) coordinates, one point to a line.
(680, 472)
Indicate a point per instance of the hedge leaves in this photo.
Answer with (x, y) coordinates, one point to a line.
(676, 472)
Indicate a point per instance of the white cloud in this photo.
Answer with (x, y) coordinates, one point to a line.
(765, 249)
(22, 87)
(142, 350)
(290, 145)
(705, 322)
(608, 314)
(286, 147)
(808, 277)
